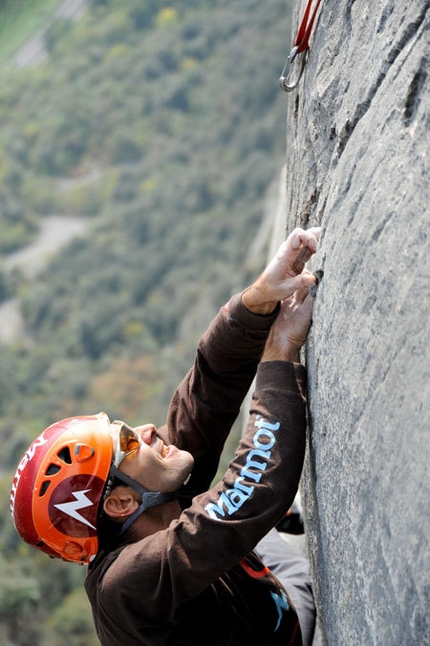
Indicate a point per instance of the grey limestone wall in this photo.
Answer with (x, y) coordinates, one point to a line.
(358, 150)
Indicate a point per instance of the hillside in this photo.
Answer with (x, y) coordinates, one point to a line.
(162, 127)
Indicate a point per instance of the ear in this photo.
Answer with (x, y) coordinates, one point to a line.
(120, 503)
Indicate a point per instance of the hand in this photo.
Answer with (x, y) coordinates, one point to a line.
(284, 274)
(288, 333)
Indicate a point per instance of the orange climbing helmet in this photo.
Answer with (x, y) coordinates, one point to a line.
(59, 484)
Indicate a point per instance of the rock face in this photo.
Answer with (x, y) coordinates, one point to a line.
(358, 147)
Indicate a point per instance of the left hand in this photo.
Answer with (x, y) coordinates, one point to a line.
(284, 274)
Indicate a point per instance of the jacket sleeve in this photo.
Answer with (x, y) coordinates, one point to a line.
(224, 524)
(207, 402)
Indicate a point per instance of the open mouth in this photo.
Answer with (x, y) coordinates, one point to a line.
(164, 450)
(167, 451)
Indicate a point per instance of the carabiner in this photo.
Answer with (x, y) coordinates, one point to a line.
(284, 80)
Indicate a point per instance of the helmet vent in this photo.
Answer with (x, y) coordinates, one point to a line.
(52, 469)
(64, 455)
(44, 488)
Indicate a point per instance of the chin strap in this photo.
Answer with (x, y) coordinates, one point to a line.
(149, 498)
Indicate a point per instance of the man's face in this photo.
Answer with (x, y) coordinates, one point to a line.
(156, 466)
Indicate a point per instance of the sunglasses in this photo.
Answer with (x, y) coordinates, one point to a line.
(126, 442)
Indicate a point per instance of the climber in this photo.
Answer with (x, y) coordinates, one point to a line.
(172, 558)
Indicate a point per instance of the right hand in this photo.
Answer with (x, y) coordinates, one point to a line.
(290, 329)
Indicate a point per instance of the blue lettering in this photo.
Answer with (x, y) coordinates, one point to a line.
(237, 497)
(266, 445)
(251, 463)
(263, 423)
(256, 462)
(239, 485)
(211, 508)
(281, 603)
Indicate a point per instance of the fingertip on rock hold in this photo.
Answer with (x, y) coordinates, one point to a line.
(318, 278)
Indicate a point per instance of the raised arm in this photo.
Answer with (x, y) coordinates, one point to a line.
(208, 400)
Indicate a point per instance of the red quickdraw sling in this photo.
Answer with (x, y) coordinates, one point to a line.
(300, 49)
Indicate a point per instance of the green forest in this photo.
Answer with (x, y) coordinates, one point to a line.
(161, 127)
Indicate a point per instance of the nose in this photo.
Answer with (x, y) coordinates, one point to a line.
(146, 432)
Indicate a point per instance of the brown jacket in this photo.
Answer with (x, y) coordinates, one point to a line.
(198, 581)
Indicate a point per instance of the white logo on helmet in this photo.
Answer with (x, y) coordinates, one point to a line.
(28, 456)
(81, 502)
